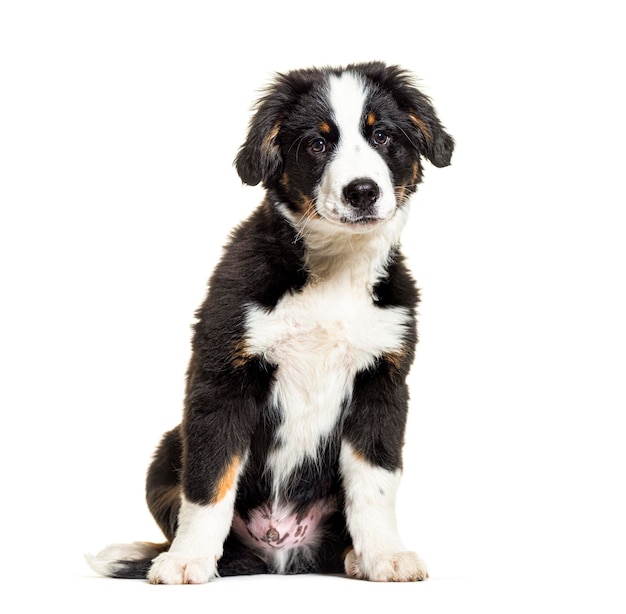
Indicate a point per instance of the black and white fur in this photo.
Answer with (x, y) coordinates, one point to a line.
(288, 457)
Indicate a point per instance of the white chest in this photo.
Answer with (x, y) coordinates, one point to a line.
(319, 339)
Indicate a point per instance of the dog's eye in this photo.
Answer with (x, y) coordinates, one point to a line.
(317, 146)
(380, 137)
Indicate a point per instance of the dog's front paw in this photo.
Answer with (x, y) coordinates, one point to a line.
(170, 568)
(397, 567)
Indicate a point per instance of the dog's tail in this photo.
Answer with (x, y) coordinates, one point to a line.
(126, 560)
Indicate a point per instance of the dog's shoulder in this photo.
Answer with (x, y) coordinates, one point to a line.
(261, 261)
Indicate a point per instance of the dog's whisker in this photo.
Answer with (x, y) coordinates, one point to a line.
(306, 220)
(297, 143)
(408, 138)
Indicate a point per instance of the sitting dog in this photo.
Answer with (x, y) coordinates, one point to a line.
(289, 453)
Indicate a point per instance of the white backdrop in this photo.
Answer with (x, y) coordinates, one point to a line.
(119, 122)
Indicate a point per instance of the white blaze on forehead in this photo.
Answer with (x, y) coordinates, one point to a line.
(347, 100)
(354, 158)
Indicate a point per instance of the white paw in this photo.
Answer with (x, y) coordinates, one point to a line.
(170, 568)
(398, 567)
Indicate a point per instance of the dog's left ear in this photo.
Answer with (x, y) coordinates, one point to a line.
(432, 139)
(259, 158)
(435, 143)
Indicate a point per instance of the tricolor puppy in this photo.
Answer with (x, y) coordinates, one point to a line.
(289, 453)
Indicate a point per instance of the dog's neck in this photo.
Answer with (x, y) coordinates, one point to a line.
(332, 252)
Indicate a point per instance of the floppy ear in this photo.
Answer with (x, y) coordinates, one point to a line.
(436, 144)
(259, 158)
(423, 127)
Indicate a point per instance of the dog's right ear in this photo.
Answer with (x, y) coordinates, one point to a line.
(259, 158)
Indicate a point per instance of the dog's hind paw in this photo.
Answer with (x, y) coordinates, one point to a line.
(397, 567)
(169, 568)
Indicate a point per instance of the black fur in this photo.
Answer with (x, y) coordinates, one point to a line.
(227, 405)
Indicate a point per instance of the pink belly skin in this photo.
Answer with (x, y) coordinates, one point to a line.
(272, 528)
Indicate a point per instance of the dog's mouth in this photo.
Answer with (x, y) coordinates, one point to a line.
(361, 224)
(362, 220)
(357, 222)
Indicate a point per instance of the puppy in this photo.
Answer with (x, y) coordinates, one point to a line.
(289, 453)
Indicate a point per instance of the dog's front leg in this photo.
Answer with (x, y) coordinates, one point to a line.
(198, 545)
(378, 552)
(370, 464)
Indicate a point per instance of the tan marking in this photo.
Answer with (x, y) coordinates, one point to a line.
(284, 180)
(158, 547)
(269, 142)
(359, 456)
(416, 172)
(401, 191)
(227, 481)
(307, 207)
(241, 355)
(371, 119)
(164, 503)
(325, 128)
(395, 359)
(421, 124)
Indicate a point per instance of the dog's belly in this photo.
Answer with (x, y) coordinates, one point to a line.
(318, 339)
(274, 529)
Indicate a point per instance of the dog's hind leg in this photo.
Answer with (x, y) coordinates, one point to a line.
(202, 529)
(163, 489)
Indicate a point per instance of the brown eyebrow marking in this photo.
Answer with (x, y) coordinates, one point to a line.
(371, 119)
(421, 124)
(325, 127)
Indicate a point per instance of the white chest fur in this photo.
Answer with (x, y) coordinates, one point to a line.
(319, 338)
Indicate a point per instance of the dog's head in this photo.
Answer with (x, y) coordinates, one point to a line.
(343, 145)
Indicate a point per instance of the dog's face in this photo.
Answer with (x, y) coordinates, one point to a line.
(343, 146)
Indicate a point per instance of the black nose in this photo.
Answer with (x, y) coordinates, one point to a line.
(361, 193)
